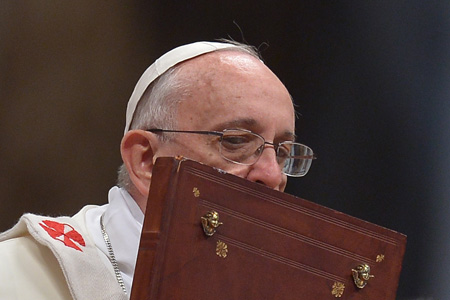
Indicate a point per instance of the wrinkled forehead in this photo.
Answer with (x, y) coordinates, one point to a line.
(226, 86)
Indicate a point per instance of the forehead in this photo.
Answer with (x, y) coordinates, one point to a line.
(233, 89)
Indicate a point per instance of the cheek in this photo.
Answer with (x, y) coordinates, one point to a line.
(193, 148)
(238, 170)
(172, 149)
(283, 183)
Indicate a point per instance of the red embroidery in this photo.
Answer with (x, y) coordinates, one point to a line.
(63, 233)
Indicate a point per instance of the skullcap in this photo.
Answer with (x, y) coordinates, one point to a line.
(164, 63)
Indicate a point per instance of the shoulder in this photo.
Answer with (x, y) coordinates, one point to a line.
(39, 226)
(23, 252)
(31, 254)
(52, 258)
(30, 271)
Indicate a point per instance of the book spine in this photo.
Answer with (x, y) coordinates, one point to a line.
(145, 278)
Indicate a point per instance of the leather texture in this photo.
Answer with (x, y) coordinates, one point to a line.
(277, 246)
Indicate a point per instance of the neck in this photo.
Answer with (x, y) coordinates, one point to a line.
(141, 200)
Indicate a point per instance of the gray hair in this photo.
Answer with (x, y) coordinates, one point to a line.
(159, 103)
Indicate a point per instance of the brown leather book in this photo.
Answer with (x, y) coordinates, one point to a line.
(212, 235)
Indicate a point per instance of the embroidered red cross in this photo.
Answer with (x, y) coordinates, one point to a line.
(64, 233)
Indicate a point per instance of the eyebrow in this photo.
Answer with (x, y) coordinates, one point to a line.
(239, 123)
(253, 125)
(289, 136)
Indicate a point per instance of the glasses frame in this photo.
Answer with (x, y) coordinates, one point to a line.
(221, 134)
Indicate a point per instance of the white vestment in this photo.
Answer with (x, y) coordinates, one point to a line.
(66, 257)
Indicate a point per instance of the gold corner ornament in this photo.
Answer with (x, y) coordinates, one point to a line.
(338, 289)
(380, 258)
(361, 274)
(210, 222)
(196, 192)
(221, 249)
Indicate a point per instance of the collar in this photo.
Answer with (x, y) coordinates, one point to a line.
(123, 221)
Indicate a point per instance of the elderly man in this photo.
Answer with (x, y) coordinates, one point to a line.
(216, 103)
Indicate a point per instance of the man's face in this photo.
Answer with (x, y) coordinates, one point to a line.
(232, 90)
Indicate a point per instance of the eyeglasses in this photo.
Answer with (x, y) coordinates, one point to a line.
(244, 147)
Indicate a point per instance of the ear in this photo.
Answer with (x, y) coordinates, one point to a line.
(137, 149)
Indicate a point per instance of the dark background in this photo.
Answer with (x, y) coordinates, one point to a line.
(371, 80)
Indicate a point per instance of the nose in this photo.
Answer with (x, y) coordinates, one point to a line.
(267, 170)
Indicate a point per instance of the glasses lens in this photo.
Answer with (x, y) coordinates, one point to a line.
(241, 146)
(295, 158)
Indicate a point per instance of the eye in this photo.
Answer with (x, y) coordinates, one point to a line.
(283, 152)
(233, 142)
(235, 139)
(241, 146)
